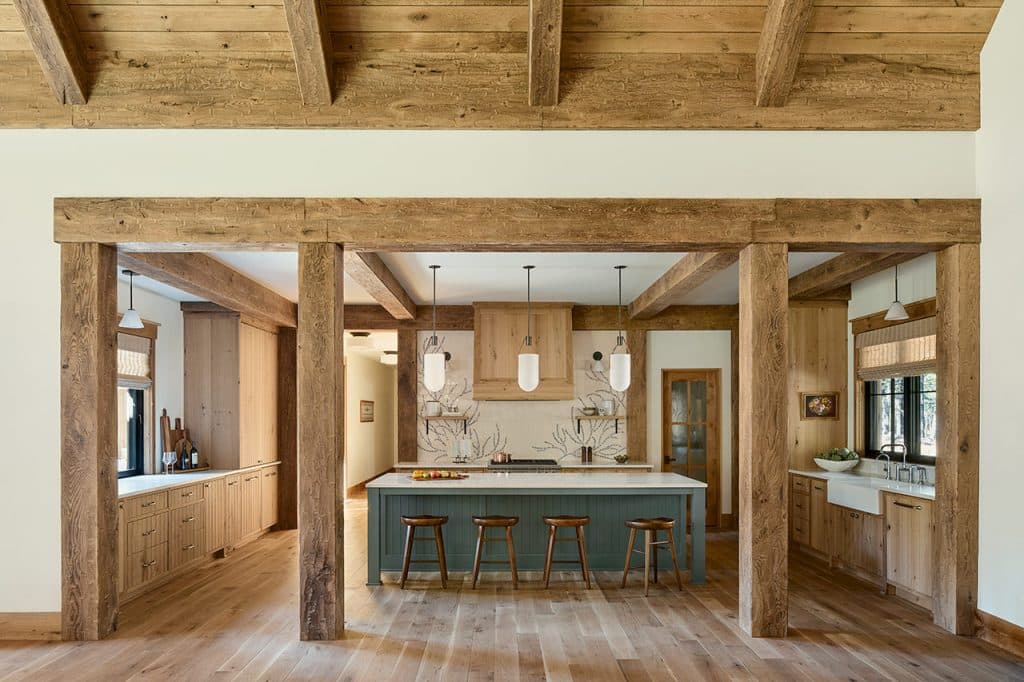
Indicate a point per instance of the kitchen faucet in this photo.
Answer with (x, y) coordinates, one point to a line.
(888, 463)
(901, 468)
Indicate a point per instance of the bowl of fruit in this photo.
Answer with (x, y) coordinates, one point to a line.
(837, 459)
(437, 475)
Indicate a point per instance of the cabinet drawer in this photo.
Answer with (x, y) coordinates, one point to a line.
(820, 486)
(186, 517)
(146, 565)
(801, 532)
(145, 505)
(185, 546)
(147, 532)
(802, 484)
(185, 495)
(800, 505)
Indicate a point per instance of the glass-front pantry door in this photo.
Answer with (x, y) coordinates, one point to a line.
(690, 429)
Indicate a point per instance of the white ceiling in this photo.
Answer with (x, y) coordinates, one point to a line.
(583, 278)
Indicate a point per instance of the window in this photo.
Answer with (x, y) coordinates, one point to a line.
(131, 430)
(901, 410)
(135, 407)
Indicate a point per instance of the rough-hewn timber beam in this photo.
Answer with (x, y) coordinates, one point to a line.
(689, 273)
(370, 272)
(204, 276)
(841, 271)
(311, 45)
(785, 23)
(545, 51)
(51, 31)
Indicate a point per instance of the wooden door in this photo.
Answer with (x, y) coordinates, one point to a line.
(233, 508)
(268, 497)
(251, 507)
(691, 439)
(215, 492)
(909, 543)
(870, 548)
(819, 520)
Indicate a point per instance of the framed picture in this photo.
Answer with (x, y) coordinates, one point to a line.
(366, 410)
(819, 405)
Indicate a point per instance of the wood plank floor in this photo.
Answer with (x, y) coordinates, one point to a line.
(236, 620)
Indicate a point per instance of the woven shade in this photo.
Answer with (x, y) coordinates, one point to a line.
(133, 360)
(899, 351)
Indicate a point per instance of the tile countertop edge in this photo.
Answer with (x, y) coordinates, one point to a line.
(151, 483)
(910, 490)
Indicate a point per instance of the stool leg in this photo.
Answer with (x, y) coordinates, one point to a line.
(629, 554)
(583, 555)
(439, 540)
(410, 537)
(512, 557)
(547, 559)
(654, 559)
(476, 560)
(675, 562)
(647, 559)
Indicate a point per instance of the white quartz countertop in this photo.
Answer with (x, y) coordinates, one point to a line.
(582, 480)
(151, 483)
(926, 492)
(409, 466)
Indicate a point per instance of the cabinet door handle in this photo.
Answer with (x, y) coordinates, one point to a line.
(189, 519)
(188, 494)
(149, 532)
(232, 482)
(147, 564)
(907, 506)
(149, 504)
(187, 547)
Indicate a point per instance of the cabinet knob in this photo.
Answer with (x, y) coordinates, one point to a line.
(149, 504)
(188, 494)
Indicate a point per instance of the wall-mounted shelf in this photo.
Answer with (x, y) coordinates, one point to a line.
(580, 418)
(449, 418)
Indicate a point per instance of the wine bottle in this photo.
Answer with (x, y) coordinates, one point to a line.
(195, 457)
(186, 461)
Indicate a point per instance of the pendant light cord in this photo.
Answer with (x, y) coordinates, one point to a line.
(618, 311)
(897, 283)
(529, 329)
(433, 337)
(131, 290)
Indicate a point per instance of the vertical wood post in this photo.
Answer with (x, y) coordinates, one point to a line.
(88, 391)
(763, 330)
(955, 545)
(321, 441)
(408, 419)
(734, 335)
(287, 435)
(636, 398)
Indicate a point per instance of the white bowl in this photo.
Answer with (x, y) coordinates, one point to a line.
(829, 465)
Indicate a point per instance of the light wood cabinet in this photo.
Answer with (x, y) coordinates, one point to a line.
(819, 517)
(809, 520)
(499, 330)
(233, 508)
(145, 566)
(122, 544)
(857, 539)
(268, 497)
(251, 505)
(215, 525)
(909, 543)
(230, 389)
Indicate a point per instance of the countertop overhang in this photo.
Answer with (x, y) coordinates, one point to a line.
(586, 480)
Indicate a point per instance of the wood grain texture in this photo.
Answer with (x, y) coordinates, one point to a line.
(675, 317)
(544, 51)
(636, 397)
(957, 345)
(51, 32)
(686, 275)
(287, 429)
(916, 311)
(321, 441)
(311, 45)
(408, 383)
(763, 325)
(734, 358)
(841, 271)
(30, 625)
(778, 51)
(1001, 633)
(88, 380)
(206, 277)
(371, 273)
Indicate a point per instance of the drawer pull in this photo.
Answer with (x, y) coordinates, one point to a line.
(819, 487)
(147, 564)
(188, 494)
(148, 504)
(907, 506)
(854, 515)
(187, 547)
(252, 478)
(149, 532)
(232, 482)
(189, 519)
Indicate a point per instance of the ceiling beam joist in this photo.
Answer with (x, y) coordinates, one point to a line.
(689, 273)
(372, 274)
(203, 276)
(311, 45)
(842, 271)
(52, 33)
(778, 50)
(545, 51)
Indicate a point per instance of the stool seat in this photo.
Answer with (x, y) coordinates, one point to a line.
(411, 523)
(424, 520)
(659, 523)
(652, 545)
(566, 521)
(494, 521)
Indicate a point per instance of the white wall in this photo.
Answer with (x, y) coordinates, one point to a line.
(1001, 186)
(36, 165)
(691, 350)
(369, 446)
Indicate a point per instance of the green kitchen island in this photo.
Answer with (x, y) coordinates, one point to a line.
(609, 499)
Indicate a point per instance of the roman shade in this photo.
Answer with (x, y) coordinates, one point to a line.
(898, 351)
(133, 369)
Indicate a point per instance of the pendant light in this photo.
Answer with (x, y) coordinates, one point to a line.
(896, 311)
(529, 360)
(433, 359)
(619, 370)
(389, 357)
(131, 319)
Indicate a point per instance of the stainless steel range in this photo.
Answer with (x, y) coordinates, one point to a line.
(531, 465)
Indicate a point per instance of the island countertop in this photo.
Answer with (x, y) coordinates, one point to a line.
(543, 480)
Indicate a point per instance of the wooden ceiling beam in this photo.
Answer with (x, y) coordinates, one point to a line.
(778, 51)
(544, 46)
(202, 275)
(372, 274)
(311, 45)
(54, 38)
(841, 271)
(689, 273)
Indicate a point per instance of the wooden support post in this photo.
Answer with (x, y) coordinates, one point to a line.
(408, 418)
(763, 532)
(88, 389)
(734, 335)
(955, 548)
(545, 51)
(321, 441)
(636, 398)
(287, 436)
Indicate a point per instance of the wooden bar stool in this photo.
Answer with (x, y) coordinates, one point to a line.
(414, 522)
(483, 523)
(650, 527)
(556, 522)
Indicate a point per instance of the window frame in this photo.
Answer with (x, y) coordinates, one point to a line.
(148, 460)
(911, 386)
(139, 467)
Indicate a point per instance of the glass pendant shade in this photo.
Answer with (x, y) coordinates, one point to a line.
(619, 374)
(529, 371)
(896, 312)
(433, 371)
(131, 320)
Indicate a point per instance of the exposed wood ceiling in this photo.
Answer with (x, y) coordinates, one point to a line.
(373, 275)
(861, 64)
(842, 271)
(693, 270)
